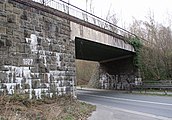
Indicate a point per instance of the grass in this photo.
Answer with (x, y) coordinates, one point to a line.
(60, 108)
(152, 92)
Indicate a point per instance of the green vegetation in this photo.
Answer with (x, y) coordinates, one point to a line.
(152, 92)
(136, 43)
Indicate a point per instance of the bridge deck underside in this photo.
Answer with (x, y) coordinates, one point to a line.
(93, 51)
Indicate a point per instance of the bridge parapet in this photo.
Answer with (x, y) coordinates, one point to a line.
(81, 14)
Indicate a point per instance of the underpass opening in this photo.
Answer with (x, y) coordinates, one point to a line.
(94, 51)
(115, 67)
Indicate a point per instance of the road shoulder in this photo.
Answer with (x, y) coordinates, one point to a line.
(109, 113)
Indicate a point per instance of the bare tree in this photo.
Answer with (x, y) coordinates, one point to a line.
(111, 18)
(156, 59)
(89, 6)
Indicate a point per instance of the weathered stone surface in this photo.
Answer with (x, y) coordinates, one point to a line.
(42, 68)
(2, 43)
(36, 51)
(2, 30)
(1, 61)
(27, 49)
(2, 68)
(38, 28)
(24, 15)
(1, 7)
(17, 10)
(2, 77)
(7, 61)
(16, 61)
(12, 25)
(8, 7)
(9, 42)
(11, 18)
(53, 67)
(9, 31)
(3, 19)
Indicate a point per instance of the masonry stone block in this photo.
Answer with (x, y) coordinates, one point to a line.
(24, 15)
(34, 76)
(21, 38)
(8, 7)
(53, 67)
(2, 43)
(27, 33)
(11, 18)
(39, 40)
(2, 76)
(9, 31)
(27, 49)
(12, 26)
(15, 61)
(42, 68)
(25, 56)
(45, 43)
(2, 68)
(37, 28)
(1, 62)
(26, 86)
(2, 30)
(50, 35)
(17, 10)
(8, 61)
(3, 19)
(55, 48)
(13, 52)
(20, 48)
(34, 69)
(9, 42)
(1, 7)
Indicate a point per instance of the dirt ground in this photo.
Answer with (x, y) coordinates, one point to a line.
(60, 108)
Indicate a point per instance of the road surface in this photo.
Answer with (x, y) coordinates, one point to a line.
(158, 106)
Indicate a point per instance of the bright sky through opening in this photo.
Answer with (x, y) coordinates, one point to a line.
(126, 10)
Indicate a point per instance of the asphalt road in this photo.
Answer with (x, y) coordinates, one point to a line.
(154, 105)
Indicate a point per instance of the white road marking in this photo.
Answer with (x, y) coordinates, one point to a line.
(132, 100)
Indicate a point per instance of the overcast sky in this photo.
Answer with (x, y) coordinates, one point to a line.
(126, 10)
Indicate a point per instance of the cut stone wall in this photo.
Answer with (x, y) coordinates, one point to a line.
(36, 53)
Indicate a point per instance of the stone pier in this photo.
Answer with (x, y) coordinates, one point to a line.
(37, 55)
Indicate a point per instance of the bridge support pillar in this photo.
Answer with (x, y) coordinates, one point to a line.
(117, 74)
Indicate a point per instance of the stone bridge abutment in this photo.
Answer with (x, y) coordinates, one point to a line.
(36, 53)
